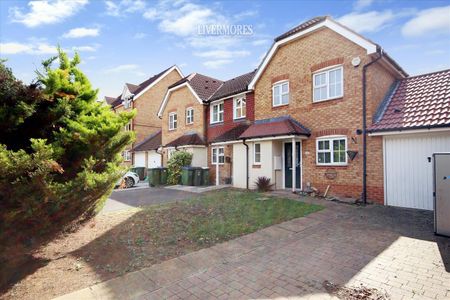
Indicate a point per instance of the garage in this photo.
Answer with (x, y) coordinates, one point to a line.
(146, 152)
(408, 170)
(139, 159)
(414, 122)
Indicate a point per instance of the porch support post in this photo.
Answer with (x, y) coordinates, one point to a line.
(217, 168)
(294, 165)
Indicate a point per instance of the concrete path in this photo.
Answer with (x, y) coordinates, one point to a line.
(142, 196)
(392, 250)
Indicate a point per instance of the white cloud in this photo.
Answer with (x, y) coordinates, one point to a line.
(81, 32)
(39, 48)
(120, 9)
(223, 54)
(46, 12)
(430, 21)
(361, 4)
(371, 21)
(127, 68)
(260, 42)
(215, 64)
(139, 35)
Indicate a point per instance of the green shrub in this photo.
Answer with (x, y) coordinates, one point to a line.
(263, 184)
(178, 160)
(59, 151)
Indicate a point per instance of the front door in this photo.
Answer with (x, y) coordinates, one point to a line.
(288, 165)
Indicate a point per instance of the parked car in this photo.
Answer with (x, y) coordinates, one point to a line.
(128, 180)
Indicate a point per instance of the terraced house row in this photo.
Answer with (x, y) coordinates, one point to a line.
(325, 109)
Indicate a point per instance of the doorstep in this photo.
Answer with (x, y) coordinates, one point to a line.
(197, 189)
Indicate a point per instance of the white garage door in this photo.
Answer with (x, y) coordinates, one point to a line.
(139, 159)
(408, 172)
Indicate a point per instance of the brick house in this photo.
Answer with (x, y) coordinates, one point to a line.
(146, 99)
(182, 112)
(230, 112)
(308, 95)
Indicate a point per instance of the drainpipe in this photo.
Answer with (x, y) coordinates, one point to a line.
(364, 129)
(246, 162)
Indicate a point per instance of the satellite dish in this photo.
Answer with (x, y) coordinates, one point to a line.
(356, 61)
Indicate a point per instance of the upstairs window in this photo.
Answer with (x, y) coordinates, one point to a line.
(126, 154)
(328, 84)
(280, 92)
(331, 151)
(218, 156)
(172, 121)
(128, 127)
(189, 115)
(239, 107)
(217, 112)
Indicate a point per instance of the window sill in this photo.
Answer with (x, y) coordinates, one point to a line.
(274, 107)
(256, 166)
(331, 166)
(189, 124)
(216, 123)
(172, 129)
(326, 100)
(239, 119)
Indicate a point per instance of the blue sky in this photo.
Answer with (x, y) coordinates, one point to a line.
(131, 40)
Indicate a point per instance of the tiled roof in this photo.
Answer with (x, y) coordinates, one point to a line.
(110, 100)
(417, 102)
(152, 142)
(204, 86)
(234, 86)
(232, 134)
(301, 27)
(275, 127)
(186, 139)
(136, 89)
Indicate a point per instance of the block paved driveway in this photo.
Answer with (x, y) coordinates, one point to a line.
(390, 249)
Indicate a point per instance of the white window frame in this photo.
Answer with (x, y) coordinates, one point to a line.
(170, 152)
(215, 158)
(254, 154)
(128, 127)
(189, 115)
(126, 154)
(243, 105)
(327, 82)
(219, 112)
(280, 84)
(330, 139)
(173, 121)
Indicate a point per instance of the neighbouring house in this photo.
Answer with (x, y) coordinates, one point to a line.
(230, 112)
(309, 113)
(146, 99)
(413, 122)
(147, 153)
(182, 112)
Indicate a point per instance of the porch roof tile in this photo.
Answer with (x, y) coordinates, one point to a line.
(284, 125)
(186, 139)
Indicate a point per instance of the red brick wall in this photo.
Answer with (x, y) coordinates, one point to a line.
(215, 130)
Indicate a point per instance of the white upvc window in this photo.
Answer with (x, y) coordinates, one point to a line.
(331, 150)
(217, 112)
(128, 126)
(189, 115)
(218, 155)
(328, 84)
(239, 107)
(173, 121)
(280, 93)
(257, 154)
(126, 154)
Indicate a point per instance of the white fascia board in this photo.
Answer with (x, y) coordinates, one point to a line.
(166, 97)
(190, 146)
(336, 27)
(281, 137)
(231, 96)
(410, 131)
(226, 143)
(159, 79)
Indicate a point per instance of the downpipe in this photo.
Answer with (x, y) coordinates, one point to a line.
(246, 162)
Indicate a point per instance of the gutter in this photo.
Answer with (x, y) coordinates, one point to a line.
(246, 160)
(364, 129)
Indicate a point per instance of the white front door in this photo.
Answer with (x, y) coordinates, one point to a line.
(408, 168)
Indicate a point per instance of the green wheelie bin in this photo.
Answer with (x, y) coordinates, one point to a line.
(187, 176)
(164, 174)
(154, 176)
(198, 176)
(205, 176)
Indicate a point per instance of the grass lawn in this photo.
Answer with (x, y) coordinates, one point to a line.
(115, 243)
